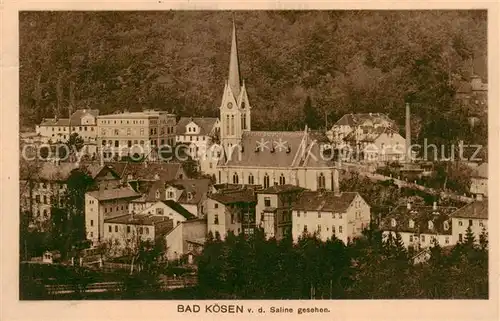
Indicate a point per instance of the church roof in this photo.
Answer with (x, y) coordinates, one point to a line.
(257, 150)
(234, 68)
(370, 119)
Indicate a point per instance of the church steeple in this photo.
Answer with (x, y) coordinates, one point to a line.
(234, 68)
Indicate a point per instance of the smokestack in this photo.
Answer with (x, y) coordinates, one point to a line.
(336, 188)
(408, 205)
(434, 206)
(408, 133)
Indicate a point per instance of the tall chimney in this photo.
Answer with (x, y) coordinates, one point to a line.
(408, 133)
(434, 206)
(336, 188)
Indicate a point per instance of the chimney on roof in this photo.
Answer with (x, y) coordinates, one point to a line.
(336, 187)
(408, 133)
(408, 205)
(434, 206)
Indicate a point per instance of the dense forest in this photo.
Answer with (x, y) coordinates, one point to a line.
(344, 61)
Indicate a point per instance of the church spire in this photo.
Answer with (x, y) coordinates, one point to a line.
(234, 68)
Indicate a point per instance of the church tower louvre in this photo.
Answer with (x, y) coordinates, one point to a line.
(235, 108)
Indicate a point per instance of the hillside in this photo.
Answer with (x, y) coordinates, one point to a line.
(346, 61)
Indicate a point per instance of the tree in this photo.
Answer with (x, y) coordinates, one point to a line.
(469, 237)
(75, 142)
(310, 114)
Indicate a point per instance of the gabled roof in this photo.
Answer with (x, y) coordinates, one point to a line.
(76, 117)
(363, 118)
(179, 209)
(141, 171)
(139, 219)
(277, 189)
(370, 135)
(55, 122)
(115, 193)
(420, 215)
(206, 124)
(232, 197)
(95, 169)
(325, 201)
(481, 171)
(197, 188)
(477, 210)
(257, 149)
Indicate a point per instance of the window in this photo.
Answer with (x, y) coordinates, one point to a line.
(411, 224)
(128, 131)
(232, 218)
(117, 143)
(110, 229)
(422, 238)
(128, 229)
(235, 178)
(266, 181)
(216, 205)
(340, 216)
(91, 222)
(430, 225)
(393, 222)
(45, 213)
(117, 132)
(319, 228)
(447, 240)
(305, 228)
(232, 124)
(411, 238)
(142, 131)
(340, 229)
(321, 181)
(298, 213)
(147, 230)
(446, 226)
(116, 228)
(44, 199)
(267, 201)
(250, 179)
(216, 219)
(105, 210)
(470, 222)
(282, 180)
(129, 143)
(481, 223)
(91, 234)
(319, 214)
(460, 223)
(460, 237)
(157, 194)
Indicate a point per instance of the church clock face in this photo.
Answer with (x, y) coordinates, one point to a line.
(229, 105)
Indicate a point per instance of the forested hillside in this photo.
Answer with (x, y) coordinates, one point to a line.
(345, 61)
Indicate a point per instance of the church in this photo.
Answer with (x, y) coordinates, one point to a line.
(266, 158)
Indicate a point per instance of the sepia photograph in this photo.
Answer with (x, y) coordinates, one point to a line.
(253, 155)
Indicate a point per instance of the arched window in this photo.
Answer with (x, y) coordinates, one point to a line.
(227, 125)
(235, 178)
(282, 180)
(321, 181)
(446, 226)
(411, 224)
(243, 121)
(266, 181)
(393, 222)
(250, 179)
(431, 225)
(157, 195)
(232, 124)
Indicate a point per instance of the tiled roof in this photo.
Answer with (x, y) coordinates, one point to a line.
(138, 219)
(179, 209)
(95, 169)
(206, 124)
(276, 189)
(76, 117)
(370, 135)
(139, 115)
(420, 215)
(231, 197)
(55, 122)
(478, 210)
(481, 171)
(165, 171)
(198, 188)
(251, 156)
(325, 201)
(116, 193)
(369, 118)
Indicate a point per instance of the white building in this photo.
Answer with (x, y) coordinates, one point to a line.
(420, 226)
(379, 144)
(474, 215)
(479, 181)
(231, 210)
(104, 204)
(197, 133)
(179, 241)
(171, 209)
(355, 122)
(82, 121)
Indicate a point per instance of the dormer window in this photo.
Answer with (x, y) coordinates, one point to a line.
(393, 222)
(189, 196)
(157, 177)
(411, 224)
(157, 194)
(446, 226)
(430, 225)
